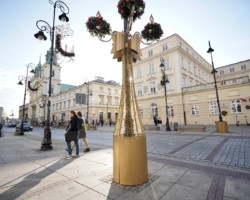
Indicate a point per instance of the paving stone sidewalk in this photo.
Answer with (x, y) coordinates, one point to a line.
(27, 173)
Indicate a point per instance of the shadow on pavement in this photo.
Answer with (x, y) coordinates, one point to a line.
(32, 180)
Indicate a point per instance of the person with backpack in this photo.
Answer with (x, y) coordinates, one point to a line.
(72, 134)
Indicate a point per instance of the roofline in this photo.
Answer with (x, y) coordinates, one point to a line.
(233, 63)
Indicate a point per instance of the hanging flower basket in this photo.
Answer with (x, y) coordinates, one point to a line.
(224, 113)
(98, 26)
(152, 31)
(125, 6)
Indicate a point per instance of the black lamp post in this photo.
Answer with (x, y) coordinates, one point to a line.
(165, 80)
(214, 71)
(44, 26)
(25, 79)
(89, 93)
(236, 121)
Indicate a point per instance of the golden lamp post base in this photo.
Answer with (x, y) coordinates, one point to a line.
(222, 127)
(130, 160)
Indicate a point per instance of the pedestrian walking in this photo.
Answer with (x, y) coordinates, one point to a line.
(1, 126)
(156, 120)
(72, 135)
(82, 131)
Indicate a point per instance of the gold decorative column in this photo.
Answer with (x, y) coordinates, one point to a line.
(129, 139)
(222, 127)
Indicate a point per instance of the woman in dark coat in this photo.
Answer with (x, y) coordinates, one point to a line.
(72, 129)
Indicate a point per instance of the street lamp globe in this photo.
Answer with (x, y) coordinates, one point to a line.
(40, 35)
(63, 17)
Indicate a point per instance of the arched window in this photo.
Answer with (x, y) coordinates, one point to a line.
(154, 109)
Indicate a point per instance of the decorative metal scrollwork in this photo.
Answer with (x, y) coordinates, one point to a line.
(31, 88)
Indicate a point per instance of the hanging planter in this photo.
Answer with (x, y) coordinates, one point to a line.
(224, 113)
(97, 26)
(125, 8)
(152, 31)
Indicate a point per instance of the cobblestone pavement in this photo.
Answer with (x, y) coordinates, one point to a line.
(184, 166)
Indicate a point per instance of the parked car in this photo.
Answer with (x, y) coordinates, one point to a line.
(26, 126)
(10, 125)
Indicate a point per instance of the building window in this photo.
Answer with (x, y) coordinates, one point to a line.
(64, 104)
(194, 70)
(101, 89)
(236, 106)
(213, 108)
(170, 111)
(116, 91)
(154, 109)
(141, 113)
(109, 91)
(101, 99)
(151, 69)
(221, 72)
(116, 101)
(139, 90)
(184, 82)
(150, 53)
(110, 100)
(165, 47)
(195, 110)
(166, 62)
(231, 69)
(152, 87)
(243, 67)
(138, 72)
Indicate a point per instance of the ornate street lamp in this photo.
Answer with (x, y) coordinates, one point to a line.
(43, 26)
(164, 81)
(26, 79)
(221, 126)
(129, 139)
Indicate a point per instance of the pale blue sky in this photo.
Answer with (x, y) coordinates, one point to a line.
(224, 22)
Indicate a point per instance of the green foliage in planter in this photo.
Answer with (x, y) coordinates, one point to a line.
(224, 113)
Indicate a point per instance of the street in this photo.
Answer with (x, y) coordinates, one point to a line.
(181, 165)
(225, 149)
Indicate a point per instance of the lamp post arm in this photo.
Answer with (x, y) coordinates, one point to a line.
(60, 4)
(44, 26)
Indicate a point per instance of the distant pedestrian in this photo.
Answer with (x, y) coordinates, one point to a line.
(156, 120)
(72, 135)
(82, 131)
(101, 121)
(1, 126)
(110, 122)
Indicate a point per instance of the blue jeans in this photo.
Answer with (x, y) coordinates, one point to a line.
(76, 145)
